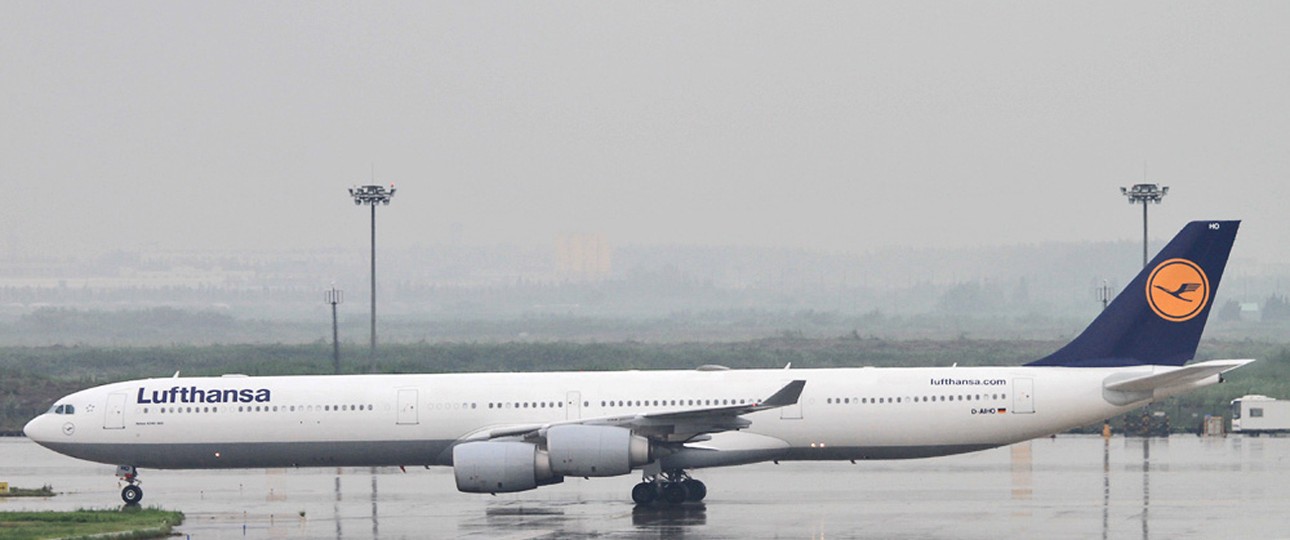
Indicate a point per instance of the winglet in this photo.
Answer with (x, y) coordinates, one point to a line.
(785, 396)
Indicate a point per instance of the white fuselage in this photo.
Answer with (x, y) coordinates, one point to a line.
(356, 420)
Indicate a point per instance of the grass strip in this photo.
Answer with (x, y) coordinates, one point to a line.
(42, 491)
(125, 523)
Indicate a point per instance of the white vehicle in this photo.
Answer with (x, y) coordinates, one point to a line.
(507, 432)
(1260, 414)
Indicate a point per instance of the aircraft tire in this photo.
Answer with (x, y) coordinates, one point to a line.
(695, 490)
(132, 494)
(644, 493)
(675, 493)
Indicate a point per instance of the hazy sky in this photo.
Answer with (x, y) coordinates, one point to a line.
(841, 126)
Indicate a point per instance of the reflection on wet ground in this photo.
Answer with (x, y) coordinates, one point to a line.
(1074, 487)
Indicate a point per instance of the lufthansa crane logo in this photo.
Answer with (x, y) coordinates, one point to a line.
(1177, 290)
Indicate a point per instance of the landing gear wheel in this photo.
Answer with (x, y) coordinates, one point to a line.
(132, 494)
(644, 493)
(675, 493)
(695, 490)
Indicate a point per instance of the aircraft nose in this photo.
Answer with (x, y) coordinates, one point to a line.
(37, 429)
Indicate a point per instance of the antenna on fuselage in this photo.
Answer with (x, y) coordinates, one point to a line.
(175, 376)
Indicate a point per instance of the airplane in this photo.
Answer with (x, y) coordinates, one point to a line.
(512, 432)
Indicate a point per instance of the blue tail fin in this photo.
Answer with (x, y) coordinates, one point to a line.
(1158, 318)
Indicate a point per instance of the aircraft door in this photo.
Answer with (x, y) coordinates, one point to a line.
(573, 406)
(114, 416)
(1023, 395)
(407, 406)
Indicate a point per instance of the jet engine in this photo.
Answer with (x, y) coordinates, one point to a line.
(580, 450)
(501, 467)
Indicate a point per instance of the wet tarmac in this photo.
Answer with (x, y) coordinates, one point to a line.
(1068, 487)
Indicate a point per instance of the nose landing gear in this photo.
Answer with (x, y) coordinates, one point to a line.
(671, 487)
(131, 493)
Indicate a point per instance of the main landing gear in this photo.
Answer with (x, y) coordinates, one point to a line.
(671, 487)
(131, 493)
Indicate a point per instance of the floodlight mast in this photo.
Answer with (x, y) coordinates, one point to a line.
(372, 195)
(1145, 193)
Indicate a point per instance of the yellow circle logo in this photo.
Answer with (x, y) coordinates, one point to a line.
(1177, 290)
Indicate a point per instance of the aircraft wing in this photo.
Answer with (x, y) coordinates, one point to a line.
(670, 426)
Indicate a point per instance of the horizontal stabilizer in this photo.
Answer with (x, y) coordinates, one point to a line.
(1175, 377)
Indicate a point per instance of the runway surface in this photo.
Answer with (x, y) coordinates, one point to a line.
(1068, 487)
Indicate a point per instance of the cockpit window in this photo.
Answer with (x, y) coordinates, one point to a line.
(62, 409)
(56, 409)
(69, 409)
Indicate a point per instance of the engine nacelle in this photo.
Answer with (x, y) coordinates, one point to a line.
(501, 467)
(579, 450)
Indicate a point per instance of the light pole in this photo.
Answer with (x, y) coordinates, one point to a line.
(372, 195)
(1145, 193)
(334, 296)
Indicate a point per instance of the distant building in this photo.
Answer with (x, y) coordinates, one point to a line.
(583, 257)
(1250, 312)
